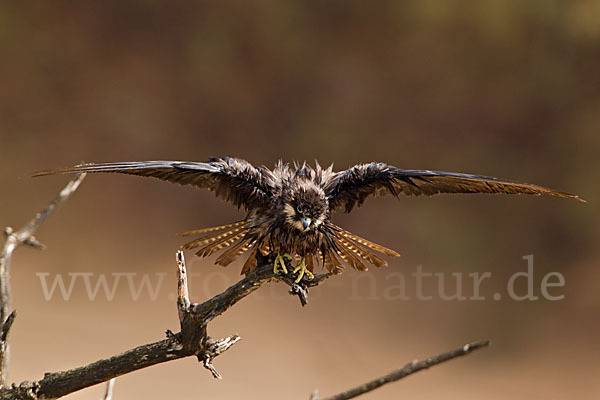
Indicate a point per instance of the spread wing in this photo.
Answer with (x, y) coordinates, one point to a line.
(235, 180)
(351, 187)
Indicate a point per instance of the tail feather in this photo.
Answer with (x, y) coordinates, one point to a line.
(344, 256)
(310, 263)
(349, 257)
(215, 237)
(250, 263)
(365, 242)
(264, 247)
(234, 252)
(220, 244)
(363, 253)
(215, 228)
(330, 260)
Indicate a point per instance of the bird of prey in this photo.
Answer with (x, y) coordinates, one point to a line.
(289, 208)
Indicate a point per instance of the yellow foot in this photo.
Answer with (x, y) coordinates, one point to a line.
(303, 271)
(279, 262)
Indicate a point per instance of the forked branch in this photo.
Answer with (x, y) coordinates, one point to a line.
(192, 340)
(14, 239)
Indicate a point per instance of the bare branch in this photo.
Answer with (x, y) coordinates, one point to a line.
(23, 236)
(183, 297)
(216, 348)
(58, 384)
(301, 289)
(193, 339)
(408, 369)
(5, 327)
(4, 330)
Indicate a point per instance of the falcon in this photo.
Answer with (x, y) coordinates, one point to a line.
(289, 208)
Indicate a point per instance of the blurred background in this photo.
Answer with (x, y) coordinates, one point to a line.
(501, 88)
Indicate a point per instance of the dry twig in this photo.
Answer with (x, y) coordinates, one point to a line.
(408, 369)
(192, 340)
(14, 239)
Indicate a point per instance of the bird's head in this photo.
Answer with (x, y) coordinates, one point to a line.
(306, 209)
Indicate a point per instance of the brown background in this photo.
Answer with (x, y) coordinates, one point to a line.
(503, 88)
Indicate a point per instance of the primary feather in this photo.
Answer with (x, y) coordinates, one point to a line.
(351, 187)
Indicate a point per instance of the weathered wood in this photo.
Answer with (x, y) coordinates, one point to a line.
(408, 369)
(14, 239)
(192, 340)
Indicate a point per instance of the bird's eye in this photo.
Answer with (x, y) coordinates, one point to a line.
(299, 209)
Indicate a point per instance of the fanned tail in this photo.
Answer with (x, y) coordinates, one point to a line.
(250, 263)
(234, 252)
(220, 244)
(215, 228)
(365, 242)
(221, 237)
(310, 263)
(341, 247)
(330, 260)
(231, 229)
(349, 257)
(363, 253)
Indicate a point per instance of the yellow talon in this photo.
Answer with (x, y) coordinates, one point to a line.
(303, 271)
(279, 262)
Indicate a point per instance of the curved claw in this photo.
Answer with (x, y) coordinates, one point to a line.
(280, 264)
(303, 271)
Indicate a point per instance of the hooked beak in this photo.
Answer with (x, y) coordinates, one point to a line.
(305, 222)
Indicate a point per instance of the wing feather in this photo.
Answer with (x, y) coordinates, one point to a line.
(233, 179)
(351, 187)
